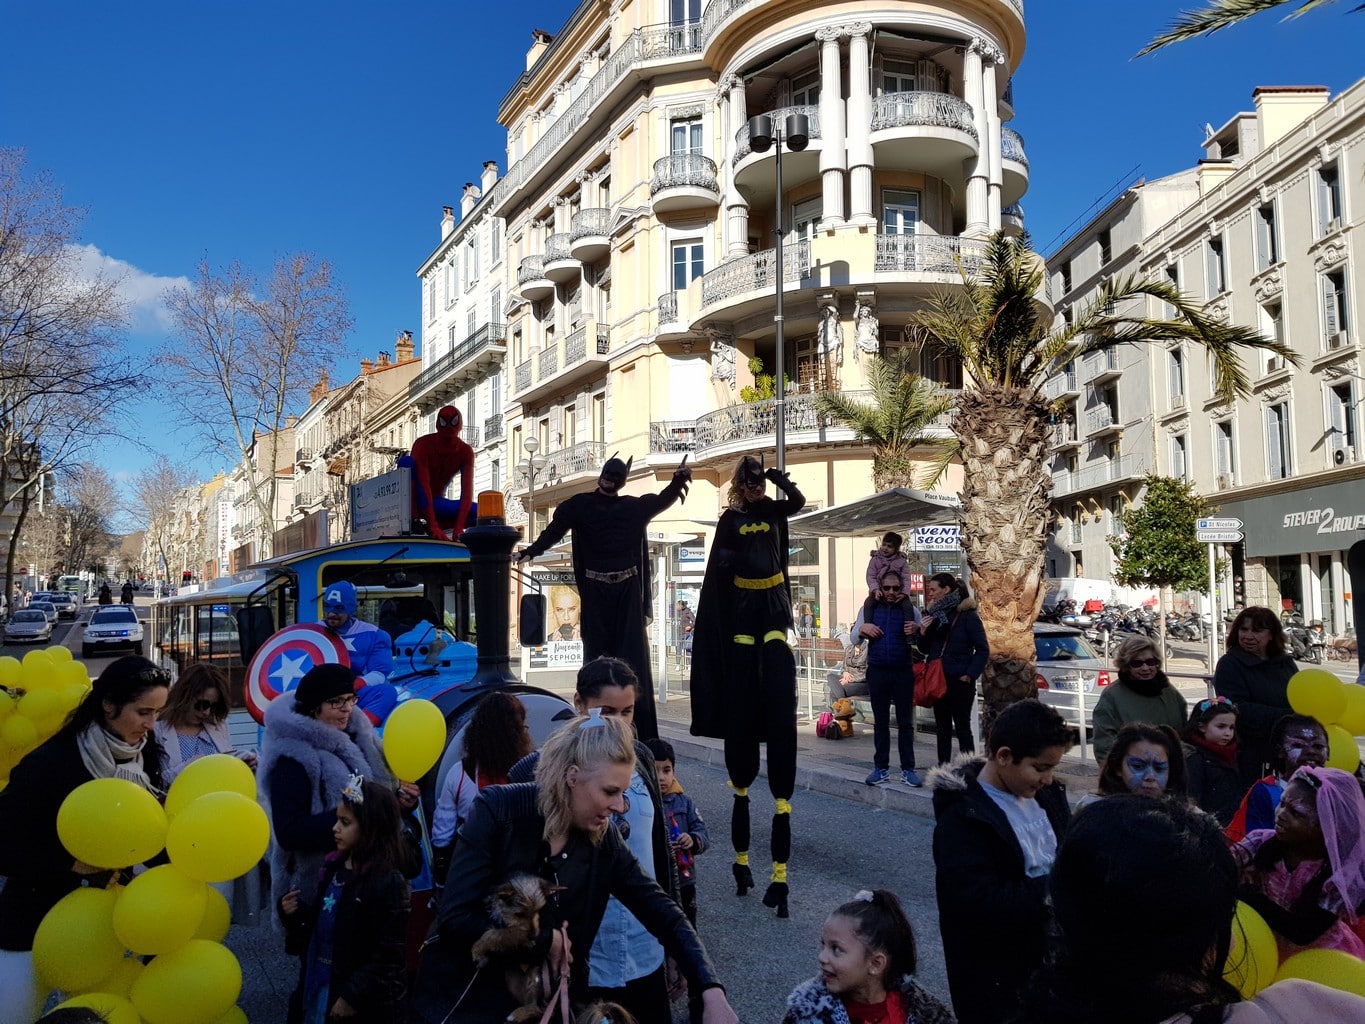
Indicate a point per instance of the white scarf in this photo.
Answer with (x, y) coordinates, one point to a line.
(105, 756)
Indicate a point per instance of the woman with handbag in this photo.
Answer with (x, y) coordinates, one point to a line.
(951, 632)
(888, 625)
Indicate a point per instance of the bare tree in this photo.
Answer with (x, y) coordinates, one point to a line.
(245, 355)
(155, 490)
(91, 497)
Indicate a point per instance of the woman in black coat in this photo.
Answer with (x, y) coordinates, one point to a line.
(109, 735)
(1254, 675)
(951, 629)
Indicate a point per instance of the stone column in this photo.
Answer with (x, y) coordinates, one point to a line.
(833, 156)
(736, 206)
(977, 167)
(991, 58)
(727, 148)
(860, 161)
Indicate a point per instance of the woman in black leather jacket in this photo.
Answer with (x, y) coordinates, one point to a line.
(557, 829)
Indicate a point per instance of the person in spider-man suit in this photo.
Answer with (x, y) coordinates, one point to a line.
(435, 460)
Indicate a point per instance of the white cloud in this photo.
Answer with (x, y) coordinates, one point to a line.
(145, 293)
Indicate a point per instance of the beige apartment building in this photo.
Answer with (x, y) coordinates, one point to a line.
(1264, 230)
(640, 272)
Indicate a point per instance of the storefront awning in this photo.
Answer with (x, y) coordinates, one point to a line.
(900, 509)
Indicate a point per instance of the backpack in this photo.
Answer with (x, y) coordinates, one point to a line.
(826, 727)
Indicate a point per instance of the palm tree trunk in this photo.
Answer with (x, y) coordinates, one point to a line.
(1005, 439)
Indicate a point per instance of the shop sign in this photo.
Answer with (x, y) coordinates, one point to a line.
(1326, 518)
(935, 538)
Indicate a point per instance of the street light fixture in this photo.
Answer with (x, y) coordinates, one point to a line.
(764, 134)
(531, 467)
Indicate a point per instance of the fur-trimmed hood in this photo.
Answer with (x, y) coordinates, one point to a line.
(812, 1003)
(954, 777)
(968, 605)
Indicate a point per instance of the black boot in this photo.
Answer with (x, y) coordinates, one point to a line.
(744, 878)
(776, 896)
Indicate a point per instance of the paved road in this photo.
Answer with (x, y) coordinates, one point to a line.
(839, 847)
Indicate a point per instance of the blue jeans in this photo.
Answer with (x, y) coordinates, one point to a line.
(887, 685)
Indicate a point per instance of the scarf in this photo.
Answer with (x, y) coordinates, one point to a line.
(105, 756)
(943, 608)
(1226, 753)
(1145, 687)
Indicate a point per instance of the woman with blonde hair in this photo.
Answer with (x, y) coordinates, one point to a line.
(1141, 693)
(558, 829)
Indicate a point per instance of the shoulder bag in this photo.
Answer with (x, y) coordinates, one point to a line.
(931, 685)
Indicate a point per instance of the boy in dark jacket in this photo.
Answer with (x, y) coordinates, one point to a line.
(999, 821)
(686, 831)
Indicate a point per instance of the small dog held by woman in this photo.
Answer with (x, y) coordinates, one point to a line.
(516, 906)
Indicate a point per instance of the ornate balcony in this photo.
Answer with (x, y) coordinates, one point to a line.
(684, 181)
(560, 265)
(574, 462)
(752, 279)
(303, 456)
(1065, 436)
(754, 170)
(1012, 219)
(531, 279)
(1013, 165)
(672, 437)
(1101, 367)
(1062, 385)
(547, 362)
(933, 131)
(668, 308)
(583, 356)
(1102, 422)
(930, 254)
(590, 235)
(494, 429)
(1093, 478)
(467, 363)
(523, 376)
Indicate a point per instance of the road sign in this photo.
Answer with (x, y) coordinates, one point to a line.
(1219, 524)
(1218, 536)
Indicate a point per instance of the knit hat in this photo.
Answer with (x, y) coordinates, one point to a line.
(321, 683)
(339, 597)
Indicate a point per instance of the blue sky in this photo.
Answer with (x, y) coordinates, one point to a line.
(248, 129)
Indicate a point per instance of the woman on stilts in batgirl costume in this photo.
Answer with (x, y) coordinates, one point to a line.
(743, 671)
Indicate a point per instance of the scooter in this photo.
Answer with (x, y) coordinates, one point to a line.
(1317, 642)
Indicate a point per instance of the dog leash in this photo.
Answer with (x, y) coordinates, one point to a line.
(559, 998)
(446, 1018)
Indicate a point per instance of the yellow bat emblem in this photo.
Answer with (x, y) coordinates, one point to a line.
(753, 528)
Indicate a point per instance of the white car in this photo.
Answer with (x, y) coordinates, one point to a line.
(47, 608)
(28, 626)
(112, 627)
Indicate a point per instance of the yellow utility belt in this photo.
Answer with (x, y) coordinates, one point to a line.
(764, 584)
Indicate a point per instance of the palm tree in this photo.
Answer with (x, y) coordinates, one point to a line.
(894, 422)
(1223, 13)
(1008, 347)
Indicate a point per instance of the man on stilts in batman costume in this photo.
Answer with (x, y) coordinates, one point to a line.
(743, 671)
(611, 565)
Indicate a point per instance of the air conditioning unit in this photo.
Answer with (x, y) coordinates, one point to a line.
(1224, 481)
(1344, 455)
(1177, 401)
(1337, 340)
(1332, 225)
(1274, 364)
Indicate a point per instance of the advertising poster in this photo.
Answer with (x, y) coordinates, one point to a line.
(563, 647)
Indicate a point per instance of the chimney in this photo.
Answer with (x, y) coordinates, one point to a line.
(540, 42)
(384, 360)
(1282, 108)
(1213, 173)
(489, 176)
(470, 199)
(402, 346)
(319, 390)
(366, 366)
(447, 222)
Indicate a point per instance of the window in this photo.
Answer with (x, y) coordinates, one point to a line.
(452, 338)
(599, 418)
(688, 263)
(1329, 198)
(1180, 459)
(1217, 270)
(604, 303)
(1272, 326)
(518, 348)
(1267, 237)
(495, 306)
(1176, 378)
(1341, 415)
(1334, 319)
(900, 212)
(495, 481)
(913, 76)
(495, 393)
(1224, 454)
(1106, 247)
(685, 136)
(450, 282)
(570, 426)
(805, 216)
(1277, 441)
(431, 297)
(471, 322)
(806, 89)
(494, 242)
(1116, 515)
(471, 263)
(1066, 277)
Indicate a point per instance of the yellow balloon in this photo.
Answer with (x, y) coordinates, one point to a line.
(40, 705)
(414, 736)
(217, 773)
(58, 654)
(1342, 751)
(74, 672)
(73, 693)
(1253, 956)
(217, 917)
(18, 733)
(1330, 967)
(75, 945)
(1353, 718)
(1316, 692)
(36, 670)
(9, 671)
(218, 837)
(120, 981)
(160, 910)
(195, 984)
(113, 1008)
(111, 823)
(234, 1016)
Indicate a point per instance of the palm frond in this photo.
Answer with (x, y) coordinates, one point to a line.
(1221, 14)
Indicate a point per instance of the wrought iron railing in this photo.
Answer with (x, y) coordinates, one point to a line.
(523, 375)
(493, 429)
(547, 362)
(485, 337)
(590, 222)
(1012, 146)
(1093, 364)
(531, 268)
(1126, 467)
(929, 254)
(938, 109)
(1062, 384)
(779, 115)
(1099, 419)
(754, 273)
(1013, 210)
(575, 460)
(557, 248)
(673, 436)
(303, 455)
(576, 346)
(684, 170)
(673, 40)
(603, 339)
(668, 308)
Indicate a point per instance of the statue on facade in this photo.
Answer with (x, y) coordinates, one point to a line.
(831, 335)
(866, 329)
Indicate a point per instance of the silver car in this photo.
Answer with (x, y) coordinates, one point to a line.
(1069, 671)
(47, 608)
(28, 626)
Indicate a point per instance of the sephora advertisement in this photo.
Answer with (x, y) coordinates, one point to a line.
(563, 647)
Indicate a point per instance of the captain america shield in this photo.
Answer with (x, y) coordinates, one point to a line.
(283, 659)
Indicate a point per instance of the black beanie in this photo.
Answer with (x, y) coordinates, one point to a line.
(323, 682)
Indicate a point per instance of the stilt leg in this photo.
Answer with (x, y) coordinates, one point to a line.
(776, 896)
(739, 836)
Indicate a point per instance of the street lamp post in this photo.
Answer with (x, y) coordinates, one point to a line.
(531, 466)
(764, 134)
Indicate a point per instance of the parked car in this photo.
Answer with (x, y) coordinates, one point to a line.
(1069, 669)
(112, 627)
(66, 604)
(47, 608)
(28, 626)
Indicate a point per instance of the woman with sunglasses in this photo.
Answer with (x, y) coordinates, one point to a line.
(108, 736)
(315, 740)
(193, 724)
(1142, 693)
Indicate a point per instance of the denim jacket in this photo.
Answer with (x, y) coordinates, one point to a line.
(624, 949)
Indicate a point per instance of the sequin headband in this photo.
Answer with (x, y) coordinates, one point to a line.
(1213, 702)
(354, 793)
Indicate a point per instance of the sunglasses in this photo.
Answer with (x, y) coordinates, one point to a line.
(203, 705)
(1142, 662)
(894, 590)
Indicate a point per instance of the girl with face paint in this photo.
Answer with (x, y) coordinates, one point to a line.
(1296, 741)
(1145, 759)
